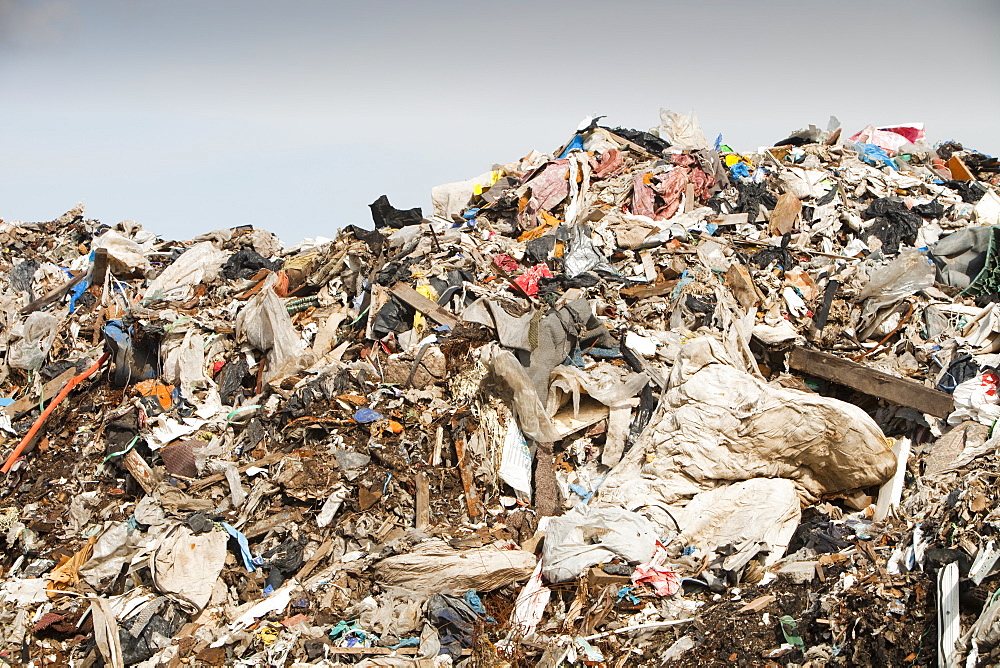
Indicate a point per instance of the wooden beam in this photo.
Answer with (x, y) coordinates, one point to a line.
(424, 305)
(423, 501)
(140, 470)
(468, 483)
(219, 477)
(49, 391)
(654, 290)
(875, 383)
(53, 295)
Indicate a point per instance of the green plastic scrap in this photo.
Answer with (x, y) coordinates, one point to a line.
(790, 628)
(987, 281)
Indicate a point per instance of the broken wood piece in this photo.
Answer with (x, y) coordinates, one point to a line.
(140, 470)
(314, 560)
(731, 219)
(643, 291)
(52, 295)
(546, 492)
(99, 272)
(639, 627)
(380, 651)
(689, 198)
(424, 305)
(591, 412)
(218, 477)
(948, 617)
(423, 501)
(468, 484)
(49, 390)
(438, 444)
(875, 383)
(758, 603)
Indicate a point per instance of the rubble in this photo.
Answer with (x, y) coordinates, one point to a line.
(644, 400)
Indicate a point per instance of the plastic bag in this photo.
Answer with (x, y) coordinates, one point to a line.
(682, 131)
(37, 334)
(909, 273)
(531, 416)
(977, 399)
(582, 256)
(587, 536)
(184, 361)
(125, 256)
(199, 264)
(265, 324)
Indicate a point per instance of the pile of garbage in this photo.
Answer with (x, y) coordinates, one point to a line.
(645, 400)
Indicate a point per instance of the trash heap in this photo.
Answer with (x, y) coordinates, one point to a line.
(645, 400)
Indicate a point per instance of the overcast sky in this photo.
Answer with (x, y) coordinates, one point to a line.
(292, 116)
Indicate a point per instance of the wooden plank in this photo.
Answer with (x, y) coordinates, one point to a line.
(643, 291)
(49, 390)
(468, 483)
(53, 295)
(423, 501)
(320, 554)
(218, 477)
(140, 470)
(875, 383)
(632, 145)
(959, 171)
(424, 305)
(741, 284)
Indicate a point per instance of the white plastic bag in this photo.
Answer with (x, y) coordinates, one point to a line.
(37, 334)
(199, 264)
(265, 324)
(587, 536)
(977, 399)
(125, 256)
(682, 131)
(909, 273)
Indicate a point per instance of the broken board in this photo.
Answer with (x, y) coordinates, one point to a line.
(875, 383)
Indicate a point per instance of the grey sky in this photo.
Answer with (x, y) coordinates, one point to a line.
(189, 116)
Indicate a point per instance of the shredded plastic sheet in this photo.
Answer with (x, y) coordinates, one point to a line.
(664, 581)
(527, 407)
(588, 535)
(125, 256)
(759, 510)
(186, 565)
(515, 461)
(528, 281)
(37, 334)
(434, 567)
